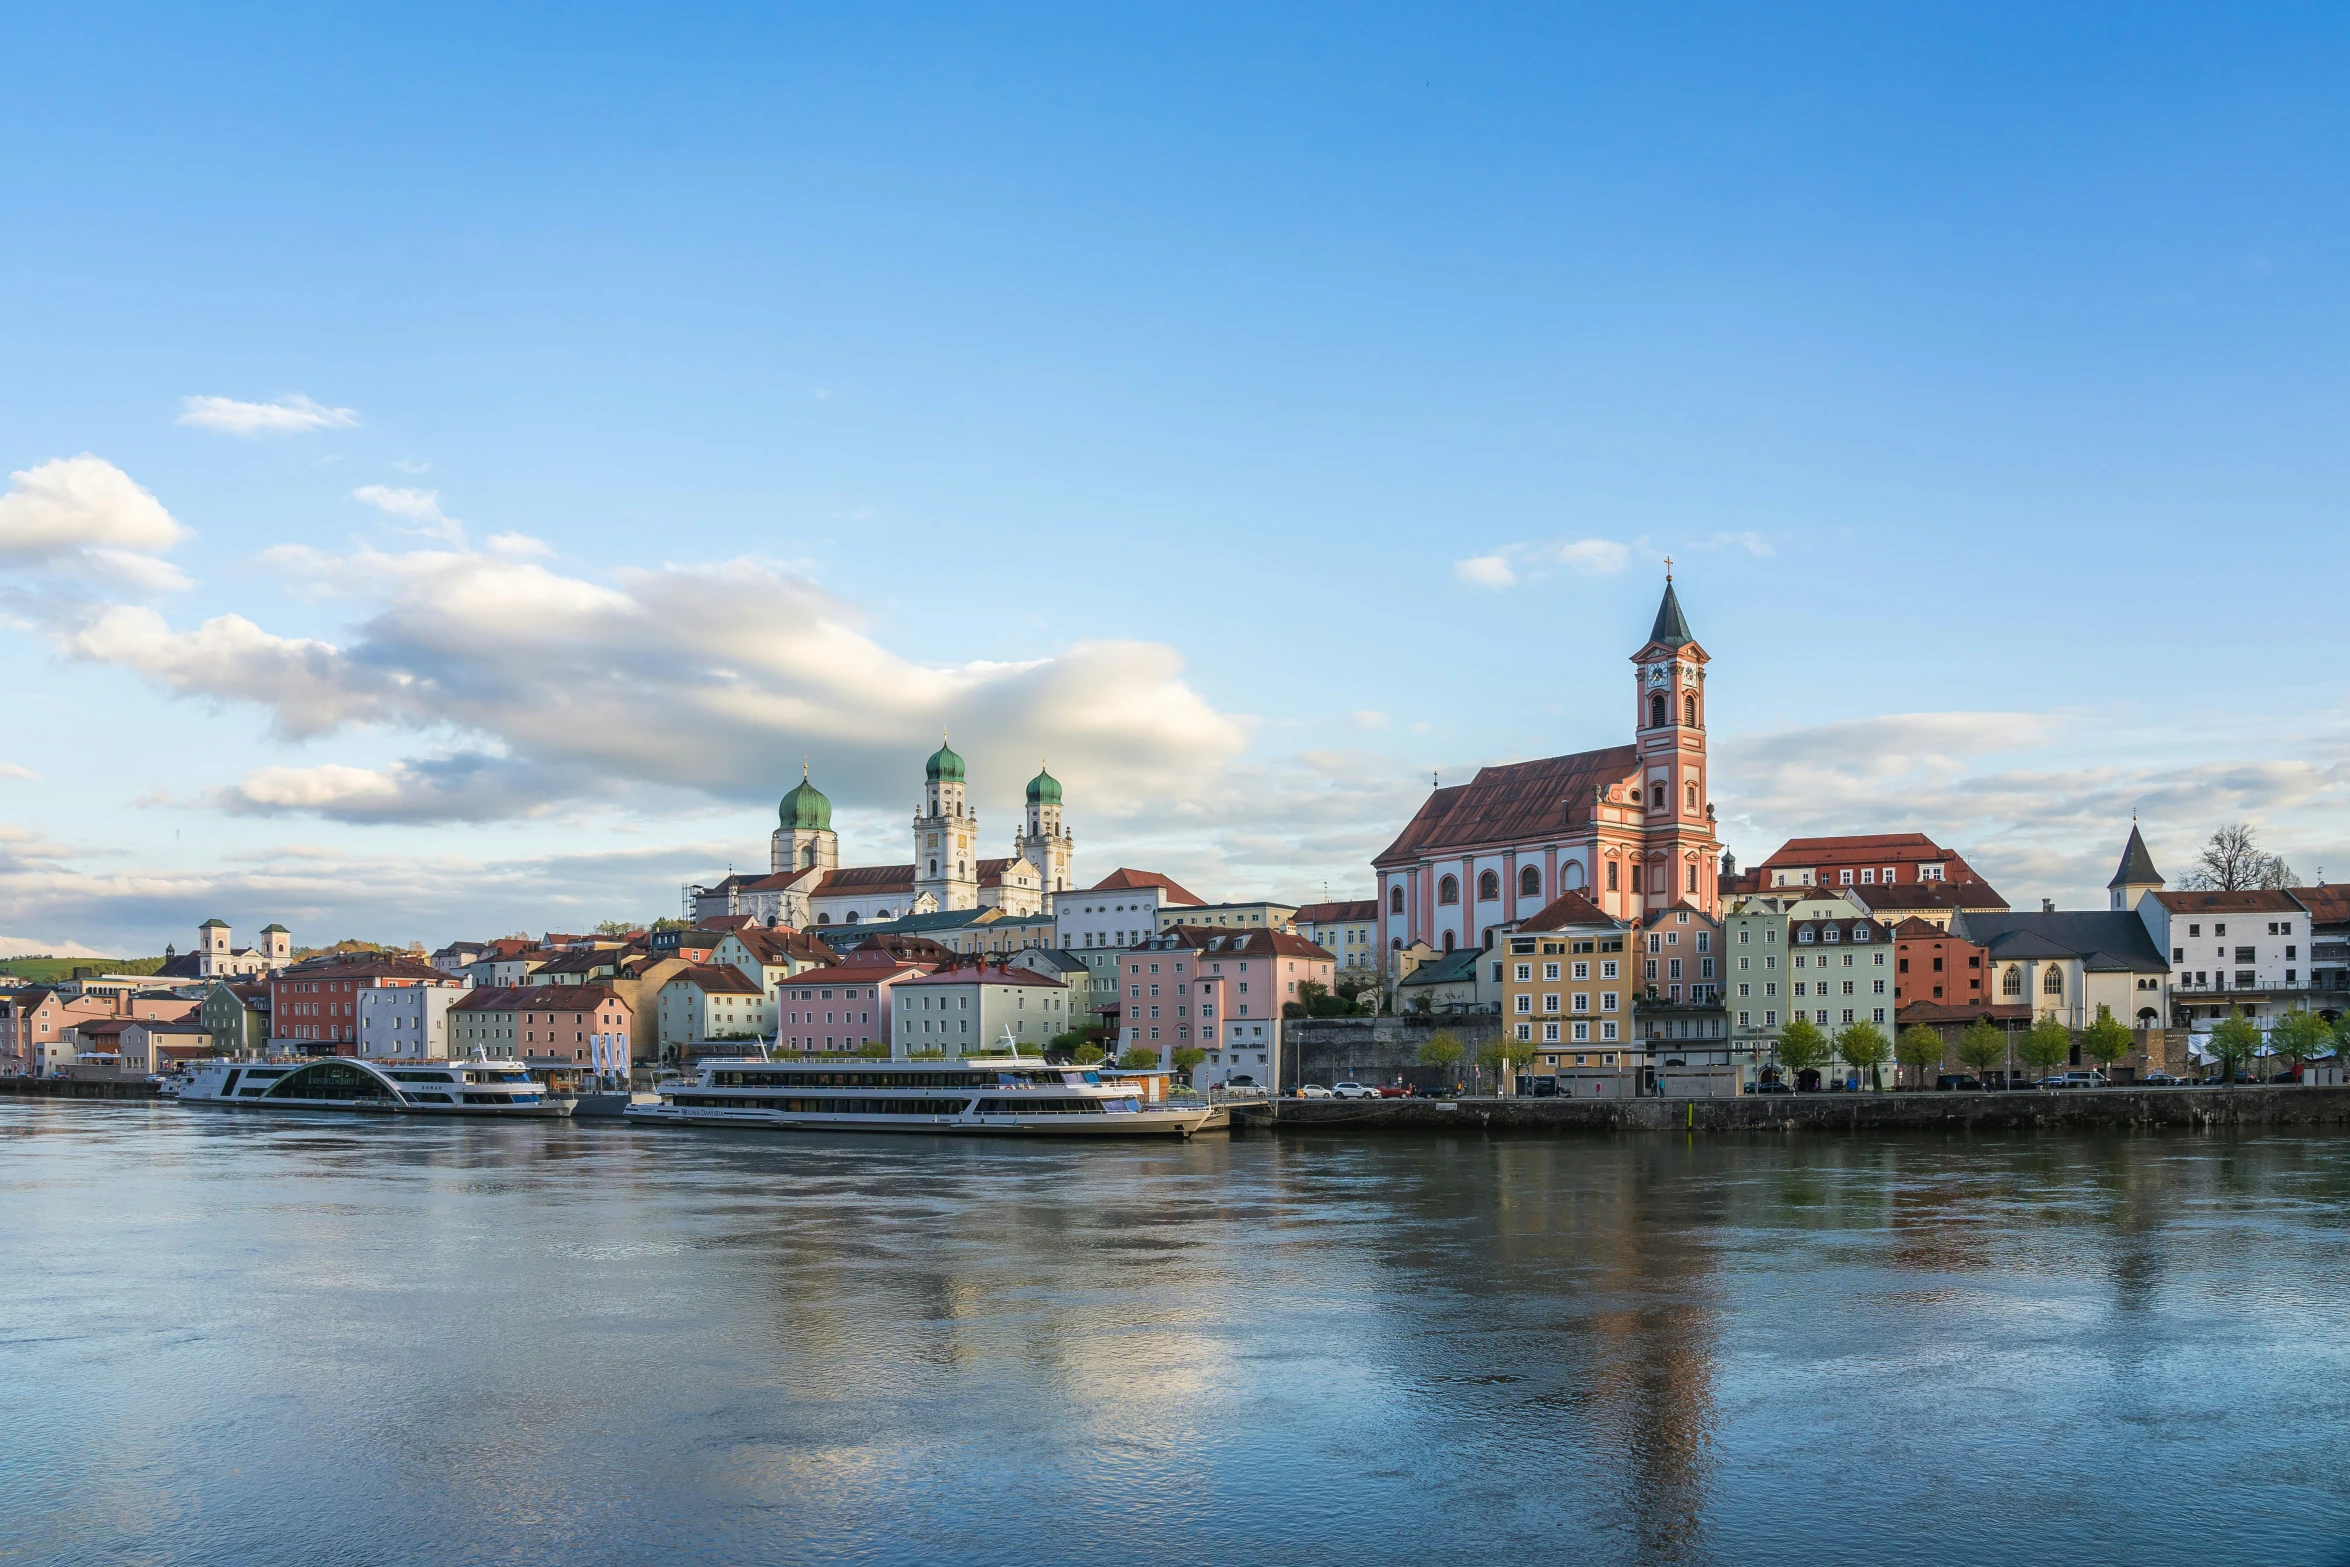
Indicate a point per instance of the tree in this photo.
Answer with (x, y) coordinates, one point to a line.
(2233, 861)
(1920, 1049)
(1981, 1047)
(2301, 1037)
(873, 1050)
(2107, 1040)
(615, 928)
(1139, 1058)
(2047, 1044)
(1493, 1056)
(1188, 1057)
(2234, 1039)
(1089, 1055)
(1440, 1050)
(1802, 1046)
(1864, 1045)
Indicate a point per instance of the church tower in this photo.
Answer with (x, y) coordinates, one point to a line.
(946, 836)
(1681, 852)
(1044, 843)
(804, 839)
(2135, 877)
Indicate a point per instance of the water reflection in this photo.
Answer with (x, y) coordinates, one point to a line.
(330, 1339)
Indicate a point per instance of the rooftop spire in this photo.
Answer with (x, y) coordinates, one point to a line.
(2137, 867)
(1672, 627)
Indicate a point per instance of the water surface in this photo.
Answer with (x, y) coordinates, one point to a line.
(261, 1339)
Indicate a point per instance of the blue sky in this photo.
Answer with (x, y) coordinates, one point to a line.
(1255, 414)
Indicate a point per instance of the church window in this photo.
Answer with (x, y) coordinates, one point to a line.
(1488, 886)
(1656, 797)
(1692, 878)
(1530, 882)
(1635, 878)
(1448, 941)
(1448, 889)
(1611, 876)
(1691, 793)
(1689, 710)
(2012, 982)
(1395, 899)
(934, 867)
(2052, 982)
(1656, 711)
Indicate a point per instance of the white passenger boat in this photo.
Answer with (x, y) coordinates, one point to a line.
(478, 1088)
(983, 1095)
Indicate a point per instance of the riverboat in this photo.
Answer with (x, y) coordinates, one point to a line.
(470, 1088)
(975, 1095)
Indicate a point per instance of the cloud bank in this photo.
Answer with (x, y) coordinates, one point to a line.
(293, 414)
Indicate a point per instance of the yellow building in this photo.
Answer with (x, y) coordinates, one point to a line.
(1567, 989)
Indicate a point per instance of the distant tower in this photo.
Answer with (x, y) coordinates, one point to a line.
(1681, 851)
(946, 835)
(277, 945)
(1046, 845)
(212, 938)
(804, 839)
(2136, 875)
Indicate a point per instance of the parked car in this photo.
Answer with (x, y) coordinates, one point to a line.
(1772, 1088)
(1312, 1091)
(1395, 1091)
(2073, 1080)
(1353, 1091)
(1958, 1082)
(2161, 1080)
(1546, 1088)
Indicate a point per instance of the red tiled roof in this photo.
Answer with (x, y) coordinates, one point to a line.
(1858, 849)
(1568, 908)
(2328, 904)
(775, 946)
(1978, 896)
(2248, 902)
(535, 998)
(857, 974)
(865, 879)
(1249, 943)
(1511, 803)
(1124, 880)
(719, 979)
(1337, 913)
(985, 974)
(1915, 929)
(367, 968)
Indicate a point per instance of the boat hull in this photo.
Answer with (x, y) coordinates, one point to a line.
(1145, 1123)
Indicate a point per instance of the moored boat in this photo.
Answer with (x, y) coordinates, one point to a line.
(470, 1088)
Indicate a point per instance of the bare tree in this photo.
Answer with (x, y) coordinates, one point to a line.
(2233, 861)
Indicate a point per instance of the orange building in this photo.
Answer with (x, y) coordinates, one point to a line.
(1933, 965)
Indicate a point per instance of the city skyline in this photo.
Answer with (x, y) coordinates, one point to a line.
(459, 497)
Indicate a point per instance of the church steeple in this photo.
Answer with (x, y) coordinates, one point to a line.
(2136, 876)
(1672, 627)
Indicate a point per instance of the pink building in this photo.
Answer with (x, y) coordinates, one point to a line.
(1220, 991)
(843, 1006)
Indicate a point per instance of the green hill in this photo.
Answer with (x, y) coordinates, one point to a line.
(48, 970)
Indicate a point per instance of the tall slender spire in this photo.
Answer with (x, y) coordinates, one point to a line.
(1672, 627)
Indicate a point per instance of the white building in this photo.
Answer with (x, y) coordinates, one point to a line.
(1122, 909)
(2231, 952)
(406, 1022)
(705, 1003)
(961, 1010)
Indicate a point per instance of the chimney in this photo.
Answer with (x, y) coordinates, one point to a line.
(2048, 905)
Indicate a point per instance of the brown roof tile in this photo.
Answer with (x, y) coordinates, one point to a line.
(1338, 913)
(1124, 880)
(1511, 803)
(1568, 908)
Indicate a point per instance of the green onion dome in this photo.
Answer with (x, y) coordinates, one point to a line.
(805, 807)
(944, 765)
(1044, 788)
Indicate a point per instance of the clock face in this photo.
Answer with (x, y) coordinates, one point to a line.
(1656, 676)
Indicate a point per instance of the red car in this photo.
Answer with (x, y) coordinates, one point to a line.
(1396, 1091)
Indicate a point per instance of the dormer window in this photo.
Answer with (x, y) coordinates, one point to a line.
(1828, 933)
(1860, 933)
(1805, 936)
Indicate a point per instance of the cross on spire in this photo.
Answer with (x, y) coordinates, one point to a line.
(1668, 568)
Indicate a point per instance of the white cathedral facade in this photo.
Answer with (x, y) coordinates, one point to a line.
(807, 888)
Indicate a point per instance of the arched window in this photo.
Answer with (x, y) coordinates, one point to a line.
(1656, 711)
(1396, 943)
(934, 867)
(1448, 941)
(1572, 877)
(1448, 889)
(1689, 710)
(1691, 793)
(823, 919)
(1530, 882)
(1656, 797)
(808, 858)
(1395, 899)
(1611, 875)
(1488, 886)
(852, 918)
(2052, 982)
(2011, 983)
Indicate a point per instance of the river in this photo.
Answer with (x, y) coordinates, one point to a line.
(236, 1338)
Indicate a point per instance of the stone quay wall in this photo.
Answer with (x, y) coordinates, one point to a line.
(1329, 1050)
(2069, 1110)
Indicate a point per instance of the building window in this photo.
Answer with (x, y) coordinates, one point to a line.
(1448, 889)
(1488, 887)
(1656, 711)
(2052, 982)
(1611, 876)
(1530, 882)
(1395, 899)
(1689, 717)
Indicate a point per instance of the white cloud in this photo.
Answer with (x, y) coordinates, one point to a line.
(1511, 564)
(422, 507)
(85, 516)
(710, 677)
(293, 414)
(1369, 718)
(12, 770)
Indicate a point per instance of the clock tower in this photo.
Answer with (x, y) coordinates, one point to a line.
(1680, 850)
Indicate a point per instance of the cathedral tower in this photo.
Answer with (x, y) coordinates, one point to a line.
(1681, 852)
(804, 839)
(1044, 843)
(946, 836)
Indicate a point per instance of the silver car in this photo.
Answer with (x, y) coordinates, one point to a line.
(1353, 1091)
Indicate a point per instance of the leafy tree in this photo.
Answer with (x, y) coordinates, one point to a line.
(1067, 1043)
(660, 924)
(1188, 1057)
(1441, 1050)
(1802, 1046)
(2047, 1044)
(1140, 1057)
(1494, 1054)
(873, 1050)
(1089, 1055)
(1864, 1045)
(1982, 1047)
(614, 928)
(1920, 1049)
(2107, 1040)
(2301, 1036)
(2234, 1039)
(2233, 861)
